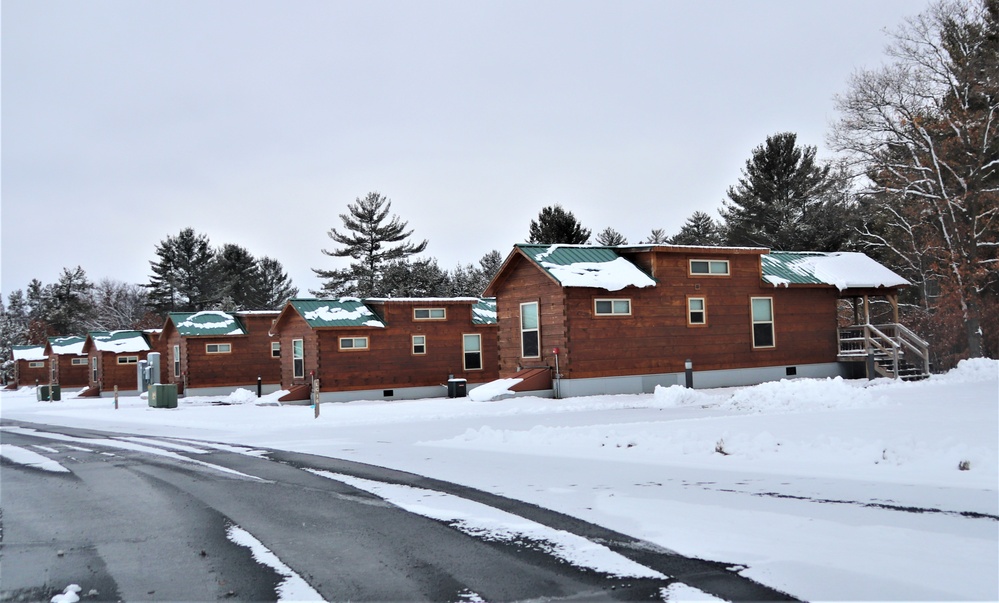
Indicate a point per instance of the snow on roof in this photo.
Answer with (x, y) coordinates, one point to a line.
(484, 312)
(843, 270)
(343, 312)
(206, 323)
(29, 352)
(428, 300)
(588, 266)
(119, 342)
(71, 344)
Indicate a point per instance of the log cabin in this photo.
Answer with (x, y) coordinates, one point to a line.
(606, 320)
(213, 353)
(68, 364)
(114, 360)
(31, 366)
(385, 349)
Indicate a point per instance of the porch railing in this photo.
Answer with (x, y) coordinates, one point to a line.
(895, 349)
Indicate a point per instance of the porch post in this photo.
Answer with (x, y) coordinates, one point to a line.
(867, 310)
(856, 310)
(893, 299)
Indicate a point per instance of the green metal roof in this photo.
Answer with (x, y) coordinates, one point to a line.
(343, 312)
(587, 266)
(484, 311)
(119, 342)
(207, 323)
(843, 270)
(69, 344)
(781, 268)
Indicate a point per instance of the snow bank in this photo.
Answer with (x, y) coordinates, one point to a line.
(972, 370)
(802, 395)
(492, 390)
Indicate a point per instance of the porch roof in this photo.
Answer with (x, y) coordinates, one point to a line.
(843, 270)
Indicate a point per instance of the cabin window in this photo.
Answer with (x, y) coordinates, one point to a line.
(763, 322)
(697, 311)
(79, 362)
(128, 359)
(36, 365)
(275, 349)
(430, 313)
(353, 343)
(472, 345)
(298, 357)
(709, 267)
(612, 307)
(218, 348)
(419, 345)
(93, 368)
(530, 335)
(176, 361)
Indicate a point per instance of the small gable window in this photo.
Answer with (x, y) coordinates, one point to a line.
(218, 348)
(430, 313)
(36, 365)
(611, 307)
(275, 349)
(79, 362)
(128, 359)
(709, 267)
(353, 343)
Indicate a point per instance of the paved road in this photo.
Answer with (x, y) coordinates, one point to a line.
(144, 519)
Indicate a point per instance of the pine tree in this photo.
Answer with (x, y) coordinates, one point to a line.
(419, 278)
(13, 331)
(184, 278)
(275, 285)
(238, 284)
(656, 237)
(70, 305)
(610, 237)
(367, 239)
(699, 229)
(556, 225)
(781, 199)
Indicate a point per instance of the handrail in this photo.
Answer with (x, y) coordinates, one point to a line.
(876, 340)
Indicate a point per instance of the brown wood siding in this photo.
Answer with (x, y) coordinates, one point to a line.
(295, 327)
(249, 358)
(656, 337)
(389, 362)
(526, 283)
(27, 376)
(110, 373)
(67, 374)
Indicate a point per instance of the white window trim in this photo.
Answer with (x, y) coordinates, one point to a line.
(613, 302)
(218, 348)
(703, 311)
(294, 357)
(537, 313)
(93, 368)
(79, 362)
(424, 345)
(771, 322)
(690, 267)
(128, 359)
(275, 347)
(36, 364)
(353, 347)
(465, 352)
(430, 313)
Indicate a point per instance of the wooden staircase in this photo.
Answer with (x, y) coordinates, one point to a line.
(891, 350)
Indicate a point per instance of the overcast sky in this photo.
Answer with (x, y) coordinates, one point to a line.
(256, 123)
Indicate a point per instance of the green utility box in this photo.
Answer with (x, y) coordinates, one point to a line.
(42, 391)
(56, 393)
(163, 395)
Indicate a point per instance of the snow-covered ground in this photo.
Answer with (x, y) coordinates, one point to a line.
(827, 489)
